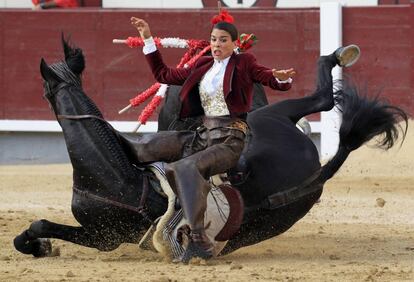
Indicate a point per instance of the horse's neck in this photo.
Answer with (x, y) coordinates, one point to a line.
(94, 149)
(71, 100)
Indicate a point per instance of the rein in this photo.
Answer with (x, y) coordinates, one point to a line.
(141, 209)
(79, 117)
(75, 117)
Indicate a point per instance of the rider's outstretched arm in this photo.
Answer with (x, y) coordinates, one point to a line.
(160, 70)
(275, 79)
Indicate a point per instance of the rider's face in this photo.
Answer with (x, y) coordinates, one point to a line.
(221, 44)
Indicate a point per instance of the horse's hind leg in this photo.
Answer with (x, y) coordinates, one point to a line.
(33, 240)
(321, 100)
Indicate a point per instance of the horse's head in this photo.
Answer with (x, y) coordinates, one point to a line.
(68, 71)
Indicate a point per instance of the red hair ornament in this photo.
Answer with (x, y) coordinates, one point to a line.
(223, 16)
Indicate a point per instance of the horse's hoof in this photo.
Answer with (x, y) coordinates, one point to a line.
(41, 248)
(38, 247)
(22, 243)
(347, 55)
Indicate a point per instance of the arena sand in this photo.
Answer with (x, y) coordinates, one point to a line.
(362, 230)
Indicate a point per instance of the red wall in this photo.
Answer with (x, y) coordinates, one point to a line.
(115, 73)
(385, 35)
(90, 3)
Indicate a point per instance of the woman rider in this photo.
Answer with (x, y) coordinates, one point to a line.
(219, 88)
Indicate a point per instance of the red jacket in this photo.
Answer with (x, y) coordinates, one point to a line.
(241, 72)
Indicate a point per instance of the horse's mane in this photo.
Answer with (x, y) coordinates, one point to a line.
(62, 70)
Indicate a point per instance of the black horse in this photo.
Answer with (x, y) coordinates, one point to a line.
(282, 177)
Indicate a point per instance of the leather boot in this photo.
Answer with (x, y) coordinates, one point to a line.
(192, 191)
(199, 246)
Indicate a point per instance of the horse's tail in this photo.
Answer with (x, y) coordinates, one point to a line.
(363, 118)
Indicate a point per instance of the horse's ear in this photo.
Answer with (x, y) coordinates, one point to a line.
(48, 74)
(73, 57)
(66, 48)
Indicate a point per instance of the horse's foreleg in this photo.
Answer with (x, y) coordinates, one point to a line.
(33, 240)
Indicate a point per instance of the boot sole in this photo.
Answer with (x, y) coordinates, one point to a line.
(194, 251)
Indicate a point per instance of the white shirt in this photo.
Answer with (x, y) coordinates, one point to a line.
(149, 46)
(213, 79)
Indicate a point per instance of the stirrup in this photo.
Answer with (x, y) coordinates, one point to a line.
(348, 55)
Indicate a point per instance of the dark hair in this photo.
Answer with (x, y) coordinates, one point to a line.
(230, 28)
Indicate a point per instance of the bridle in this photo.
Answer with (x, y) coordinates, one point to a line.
(62, 70)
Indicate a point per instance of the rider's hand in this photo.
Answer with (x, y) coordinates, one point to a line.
(283, 74)
(142, 27)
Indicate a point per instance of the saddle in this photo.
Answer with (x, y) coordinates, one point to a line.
(223, 217)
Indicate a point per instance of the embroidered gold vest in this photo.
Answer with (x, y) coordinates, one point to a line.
(214, 105)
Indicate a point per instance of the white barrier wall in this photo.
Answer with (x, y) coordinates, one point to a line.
(196, 4)
(317, 3)
(53, 126)
(330, 40)
(16, 4)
